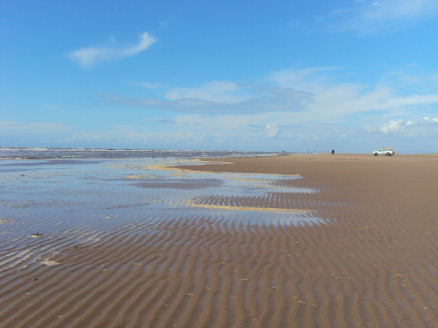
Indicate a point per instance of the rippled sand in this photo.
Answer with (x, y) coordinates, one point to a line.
(90, 245)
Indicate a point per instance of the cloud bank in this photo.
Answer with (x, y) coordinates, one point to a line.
(290, 108)
(308, 94)
(89, 56)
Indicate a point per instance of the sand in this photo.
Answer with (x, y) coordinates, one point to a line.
(373, 263)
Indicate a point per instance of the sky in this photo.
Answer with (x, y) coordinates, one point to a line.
(272, 75)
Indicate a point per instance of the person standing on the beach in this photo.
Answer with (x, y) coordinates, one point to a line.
(333, 151)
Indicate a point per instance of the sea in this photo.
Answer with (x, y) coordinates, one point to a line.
(54, 153)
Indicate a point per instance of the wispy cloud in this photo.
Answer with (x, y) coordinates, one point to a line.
(386, 15)
(89, 56)
(335, 100)
(223, 98)
(303, 78)
(148, 85)
(26, 128)
(215, 91)
(52, 106)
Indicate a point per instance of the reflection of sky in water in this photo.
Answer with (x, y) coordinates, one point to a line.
(108, 193)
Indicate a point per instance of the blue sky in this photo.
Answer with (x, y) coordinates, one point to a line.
(238, 75)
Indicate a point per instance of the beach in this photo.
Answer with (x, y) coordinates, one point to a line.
(270, 241)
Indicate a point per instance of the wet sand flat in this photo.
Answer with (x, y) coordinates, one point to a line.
(371, 261)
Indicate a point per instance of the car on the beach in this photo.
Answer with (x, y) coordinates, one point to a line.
(384, 151)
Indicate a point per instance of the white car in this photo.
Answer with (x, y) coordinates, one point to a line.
(384, 151)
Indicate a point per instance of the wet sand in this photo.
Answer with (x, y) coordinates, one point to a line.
(372, 263)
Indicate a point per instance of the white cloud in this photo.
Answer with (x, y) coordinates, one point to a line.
(408, 128)
(392, 126)
(429, 119)
(387, 15)
(89, 56)
(271, 130)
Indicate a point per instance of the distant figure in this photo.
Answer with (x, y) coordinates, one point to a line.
(333, 151)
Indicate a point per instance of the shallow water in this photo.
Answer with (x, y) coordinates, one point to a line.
(48, 197)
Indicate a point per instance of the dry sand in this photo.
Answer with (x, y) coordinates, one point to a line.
(373, 264)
